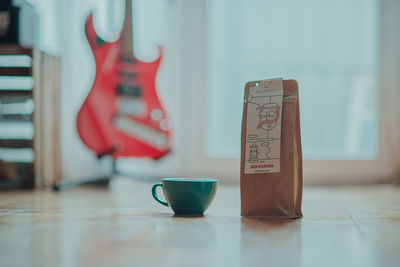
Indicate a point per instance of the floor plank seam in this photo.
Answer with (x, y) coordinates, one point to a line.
(356, 225)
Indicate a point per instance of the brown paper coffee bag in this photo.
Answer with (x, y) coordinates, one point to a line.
(271, 174)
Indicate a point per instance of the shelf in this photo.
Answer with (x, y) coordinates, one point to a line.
(29, 122)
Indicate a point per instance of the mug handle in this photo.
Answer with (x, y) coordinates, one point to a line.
(154, 193)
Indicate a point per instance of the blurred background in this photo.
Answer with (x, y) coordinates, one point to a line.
(345, 56)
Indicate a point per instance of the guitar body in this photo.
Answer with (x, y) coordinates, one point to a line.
(122, 114)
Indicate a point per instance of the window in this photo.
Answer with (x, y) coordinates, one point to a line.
(343, 55)
(330, 50)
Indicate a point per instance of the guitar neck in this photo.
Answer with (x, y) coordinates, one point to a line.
(127, 32)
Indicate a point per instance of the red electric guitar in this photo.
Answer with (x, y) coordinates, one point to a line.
(122, 115)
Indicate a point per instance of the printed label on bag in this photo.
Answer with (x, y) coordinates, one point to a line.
(263, 135)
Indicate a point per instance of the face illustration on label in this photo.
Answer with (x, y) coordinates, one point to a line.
(268, 115)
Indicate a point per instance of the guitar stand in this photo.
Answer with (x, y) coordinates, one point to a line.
(101, 180)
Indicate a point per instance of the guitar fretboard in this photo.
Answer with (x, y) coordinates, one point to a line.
(127, 30)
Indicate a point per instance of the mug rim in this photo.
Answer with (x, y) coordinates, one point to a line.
(187, 179)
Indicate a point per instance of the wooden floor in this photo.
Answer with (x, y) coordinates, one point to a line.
(124, 226)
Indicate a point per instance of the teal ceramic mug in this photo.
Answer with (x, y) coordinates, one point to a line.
(187, 196)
